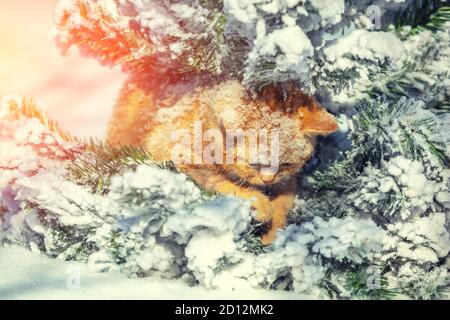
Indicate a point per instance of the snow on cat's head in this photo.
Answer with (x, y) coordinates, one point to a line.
(279, 112)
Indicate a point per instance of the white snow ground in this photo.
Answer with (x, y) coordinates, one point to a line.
(28, 275)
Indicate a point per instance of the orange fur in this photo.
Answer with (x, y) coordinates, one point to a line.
(139, 119)
(132, 118)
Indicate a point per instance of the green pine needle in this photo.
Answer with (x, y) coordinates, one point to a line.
(102, 161)
(435, 22)
(357, 283)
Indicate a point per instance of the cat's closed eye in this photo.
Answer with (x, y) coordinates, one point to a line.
(255, 166)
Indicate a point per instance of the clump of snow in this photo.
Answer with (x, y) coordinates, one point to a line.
(243, 11)
(27, 150)
(429, 78)
(363, 44)
(423, 239)
(174, 190)
(224, 215)
(346, 238)
(403, 179)
(422, 284)
(330, 12)
(411, 177)
(289, 48)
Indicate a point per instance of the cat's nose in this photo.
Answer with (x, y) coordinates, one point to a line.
(268, 178)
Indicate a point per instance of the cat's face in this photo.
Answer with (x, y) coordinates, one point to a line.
(256, 175)
(295, 118)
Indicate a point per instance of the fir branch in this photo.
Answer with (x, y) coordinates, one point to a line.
(100, 160)
(116, 248)
(418, 14)
(28, 109)
(252, 237)
(154, 57)
(99, 38)
(373, 145)
(66, 241)
(103, 161)
(357, 282)
(205, 52)
(336, 81)
(338, 177)
(434, 22)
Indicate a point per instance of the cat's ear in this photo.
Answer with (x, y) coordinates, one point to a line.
(316, 119)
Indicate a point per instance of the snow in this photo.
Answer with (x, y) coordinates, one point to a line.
(154, 180)
(366, 45)
(330, 11)
(420, 283)
(243, 11)
(337, 238)
(223, 215)
(292, 42)
(424, 239)
(347, 52)
(28, 275)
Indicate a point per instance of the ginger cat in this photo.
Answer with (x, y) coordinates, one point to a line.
(140, 119)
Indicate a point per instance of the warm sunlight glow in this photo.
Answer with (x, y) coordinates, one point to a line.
(76, 91)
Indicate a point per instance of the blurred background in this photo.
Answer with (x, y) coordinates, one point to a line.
(75, 91)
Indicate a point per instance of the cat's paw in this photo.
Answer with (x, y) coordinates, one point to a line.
(263, 208)
(269, 237)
